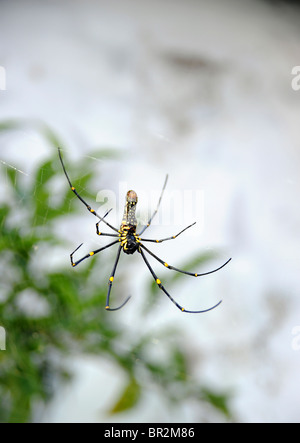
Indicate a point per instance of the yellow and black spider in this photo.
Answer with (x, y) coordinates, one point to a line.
(129, 241)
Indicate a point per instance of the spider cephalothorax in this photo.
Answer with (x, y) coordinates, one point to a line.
(129, 241)
(129, 218)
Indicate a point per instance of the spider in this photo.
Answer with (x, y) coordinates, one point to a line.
(130, 242)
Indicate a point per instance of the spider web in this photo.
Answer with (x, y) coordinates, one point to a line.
(81, 225)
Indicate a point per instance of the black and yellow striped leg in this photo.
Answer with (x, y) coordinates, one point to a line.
(155, 212)
(165, 291)
(193, 274)
(90, 254)
(167, 238)
(98, 232)
(110, 282)
(92, 211)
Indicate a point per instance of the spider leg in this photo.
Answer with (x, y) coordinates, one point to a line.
(103, 233)
(155, 212)
(90, 254)
(168, 238)
(92, 211)
(165, 291)
(193, 274)
(110, 282)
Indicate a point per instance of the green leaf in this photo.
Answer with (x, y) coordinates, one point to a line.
(44, 173)
(105, 153)
(11, 124)
(217, 400)
(179, 364)
(129, 397)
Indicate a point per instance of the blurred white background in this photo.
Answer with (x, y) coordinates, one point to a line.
(202, 91)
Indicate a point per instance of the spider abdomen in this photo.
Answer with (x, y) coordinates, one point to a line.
(131, 244)
(129, 239)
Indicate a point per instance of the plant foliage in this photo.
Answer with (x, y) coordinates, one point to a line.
(71, 315)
